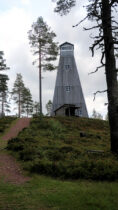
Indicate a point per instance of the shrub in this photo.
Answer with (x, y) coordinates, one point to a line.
(55, 155)
(29, 153)
(15, 144)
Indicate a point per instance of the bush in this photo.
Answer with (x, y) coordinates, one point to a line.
(29, 153)
(55, 155)
(15, 144)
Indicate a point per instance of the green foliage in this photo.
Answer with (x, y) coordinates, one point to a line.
(41, 39)
(3, 65)
(53, 146)
(44, 48)
(3, 85)
(5, 123)
(22, 96)
(63, 7)
(49, 107)
(27, 101)
(36, 109)
(17, 93)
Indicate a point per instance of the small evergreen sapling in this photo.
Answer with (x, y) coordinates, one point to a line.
(27, 101)
(17, 93)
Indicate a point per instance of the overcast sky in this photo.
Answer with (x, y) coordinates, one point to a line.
(16, 18)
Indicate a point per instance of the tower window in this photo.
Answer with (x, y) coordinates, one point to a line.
(80, 112)
(67, 48)
(67, 88)
(67, 67)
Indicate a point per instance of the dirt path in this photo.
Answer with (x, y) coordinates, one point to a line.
(20, 124)
(10, 170)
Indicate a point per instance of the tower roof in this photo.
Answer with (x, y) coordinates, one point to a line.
(66, 43)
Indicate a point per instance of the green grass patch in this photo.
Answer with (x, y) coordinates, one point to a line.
(54, 146)
(47, 193)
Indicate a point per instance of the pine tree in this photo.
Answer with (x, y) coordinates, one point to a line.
(41, 40)
(36, 108)
(3, 84)
(96, 115)
(17, 93)
(27, 101)
(49, 107)
(102, 12)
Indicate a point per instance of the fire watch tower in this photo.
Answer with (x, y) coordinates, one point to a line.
(68, 97)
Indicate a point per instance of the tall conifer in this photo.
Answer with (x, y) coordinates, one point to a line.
(44, 48)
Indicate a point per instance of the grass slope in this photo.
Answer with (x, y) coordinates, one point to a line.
(53, 146)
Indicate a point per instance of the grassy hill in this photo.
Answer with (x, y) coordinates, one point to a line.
(67, 147)
(55, 143)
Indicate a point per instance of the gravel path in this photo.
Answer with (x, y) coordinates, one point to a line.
(10, 170)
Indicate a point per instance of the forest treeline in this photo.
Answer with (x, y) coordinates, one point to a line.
(45, 50)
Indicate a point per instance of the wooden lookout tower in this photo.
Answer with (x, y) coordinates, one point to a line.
(68, 97)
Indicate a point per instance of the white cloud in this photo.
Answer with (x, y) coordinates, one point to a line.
(25, 2)
(14, 26)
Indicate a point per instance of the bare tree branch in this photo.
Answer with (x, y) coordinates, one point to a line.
(103, 54)
(80, 22)
(96, 69)
(103, 91)
(97, 42)
(94, 27)
(113, 1)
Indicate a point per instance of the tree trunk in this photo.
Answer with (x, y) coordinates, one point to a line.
(19, 104)
(40, 82)
(2, 104)
(27, 110)
(111, 75)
